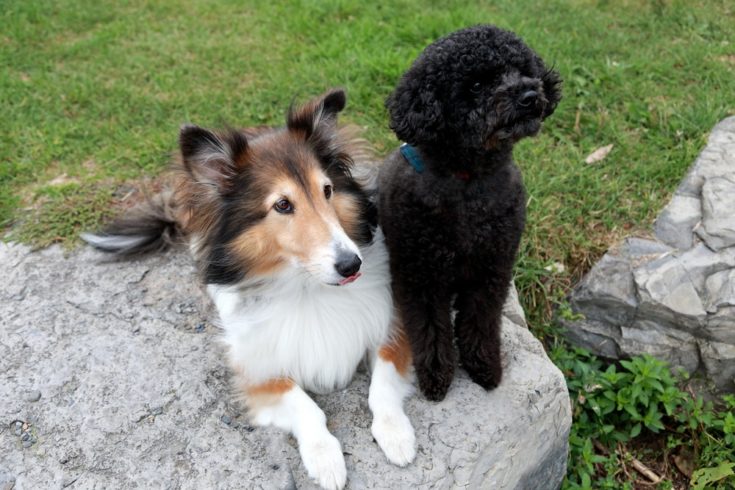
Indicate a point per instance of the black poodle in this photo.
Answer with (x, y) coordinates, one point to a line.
(452, 202)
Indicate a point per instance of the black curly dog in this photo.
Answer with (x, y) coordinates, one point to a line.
(452, 202)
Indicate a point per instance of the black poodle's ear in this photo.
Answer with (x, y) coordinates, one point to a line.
(552, 89)
(415, 112)
(315, 115)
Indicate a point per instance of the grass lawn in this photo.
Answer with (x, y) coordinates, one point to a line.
(93, 92)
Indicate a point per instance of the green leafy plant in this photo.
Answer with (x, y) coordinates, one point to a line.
(616, 405)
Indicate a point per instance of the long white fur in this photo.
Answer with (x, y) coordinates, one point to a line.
(295, 326)
(320, 451)
(112, 242)
(391, 427)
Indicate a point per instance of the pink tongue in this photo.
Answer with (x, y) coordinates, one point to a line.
(350, 279)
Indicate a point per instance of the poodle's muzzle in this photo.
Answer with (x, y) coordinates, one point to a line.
(515, 110)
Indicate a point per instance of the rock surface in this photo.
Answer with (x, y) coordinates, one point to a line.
(672, 296)
(113, 378)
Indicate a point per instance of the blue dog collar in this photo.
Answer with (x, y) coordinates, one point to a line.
(412, 157)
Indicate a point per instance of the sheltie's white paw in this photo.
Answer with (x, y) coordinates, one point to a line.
(322, 457)
(395, 437)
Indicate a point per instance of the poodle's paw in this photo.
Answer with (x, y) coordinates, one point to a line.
(486, 373)
(434, 385)
(322, 457)
(395, 436)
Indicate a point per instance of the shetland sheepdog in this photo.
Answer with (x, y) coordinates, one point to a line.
(285, 237)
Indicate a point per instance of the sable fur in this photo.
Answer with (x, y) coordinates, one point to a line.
(453, 231)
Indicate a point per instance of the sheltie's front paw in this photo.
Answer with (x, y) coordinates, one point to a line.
(395, 437)
(322, 457)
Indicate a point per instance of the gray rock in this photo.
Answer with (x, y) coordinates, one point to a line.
(675, 224)
(718, 212)
(34, 396)
(671, 345)
(672, 297)
(666, 292)
(512, 308)
(598, 337)
(134, 397)
(641, 249)
(7, 481)
(720, 290)
(700, 262)
(717, 159)
(719, 362)
(607, 293)
(721, 326)
(69, 481)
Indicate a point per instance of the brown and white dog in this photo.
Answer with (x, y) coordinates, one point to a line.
(287, 243)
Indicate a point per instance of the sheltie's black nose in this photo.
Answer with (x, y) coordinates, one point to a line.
(347, 264)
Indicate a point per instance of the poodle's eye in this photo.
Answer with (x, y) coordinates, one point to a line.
(327, 191)
(283, 206)
(476, 88)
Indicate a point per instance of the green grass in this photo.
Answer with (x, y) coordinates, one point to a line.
(94, 91)
(64, 208)
(97, 89)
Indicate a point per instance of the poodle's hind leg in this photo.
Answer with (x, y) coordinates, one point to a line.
(427, 322)
(283, 404)
(389, 386)
(477, 327)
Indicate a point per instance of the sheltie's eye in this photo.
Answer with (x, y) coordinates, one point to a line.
(283, 206)
(327, 191)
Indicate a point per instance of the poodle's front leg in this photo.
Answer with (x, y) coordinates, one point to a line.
(283, 404)
(427, 322)
(477, 327)
(389, 386)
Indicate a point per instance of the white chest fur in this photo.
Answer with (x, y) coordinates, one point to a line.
(293, 326)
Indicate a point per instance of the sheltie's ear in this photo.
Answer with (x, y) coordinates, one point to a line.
(317, 115)
(210, 158)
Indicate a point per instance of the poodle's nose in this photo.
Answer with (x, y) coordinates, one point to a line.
(528, 98)
(347, 264)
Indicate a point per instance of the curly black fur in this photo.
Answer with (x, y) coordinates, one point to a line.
(453, 230)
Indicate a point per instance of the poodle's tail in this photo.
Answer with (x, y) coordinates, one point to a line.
(150, 226)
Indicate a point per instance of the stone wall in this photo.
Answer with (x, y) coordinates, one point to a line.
(672, 295)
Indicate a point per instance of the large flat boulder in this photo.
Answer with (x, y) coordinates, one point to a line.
(113, 377)
(671, 295)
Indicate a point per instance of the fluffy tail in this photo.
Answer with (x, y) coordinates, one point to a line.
(148, 227)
